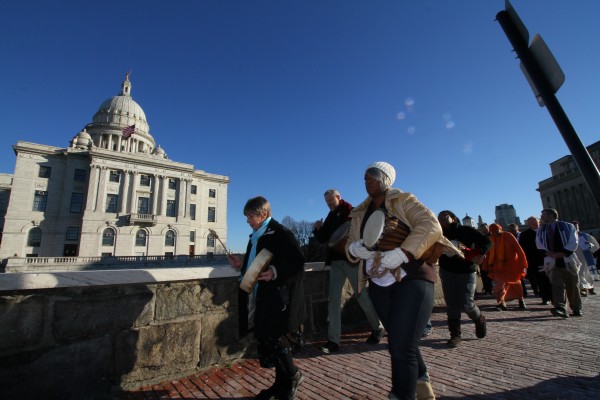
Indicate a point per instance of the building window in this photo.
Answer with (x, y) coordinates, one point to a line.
(76, 202)
(114, 176)
(80, 175)
(192, 236)
(194, 189)
(143, 205)
(170, 238)
(108, 237)
(210, 241)
(171, 212)
(144, 180)
(72, 233)
(211, 214)
(212, 193)
(172, 184)
(34, 239)
(193, 212)
(140, 238)
(44, 172)
(39, 200)
(111, 203)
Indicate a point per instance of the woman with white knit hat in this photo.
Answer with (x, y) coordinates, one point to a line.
(401, 280)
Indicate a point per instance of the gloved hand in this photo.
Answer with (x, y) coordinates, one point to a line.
(357, 249)
(393, 258)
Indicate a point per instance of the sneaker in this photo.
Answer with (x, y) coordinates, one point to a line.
(290, 394)
(545, 302)
(454, 342)
(480, 327)
(375, 336)
(559, 312)
(577, 313)
(330, 347)
(522, 305)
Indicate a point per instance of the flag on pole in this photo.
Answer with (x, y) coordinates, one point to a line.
(128, 131)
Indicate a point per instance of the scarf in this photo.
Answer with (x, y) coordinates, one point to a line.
(254, 240)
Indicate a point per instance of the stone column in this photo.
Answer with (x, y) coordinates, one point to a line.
(131, 204)
(163, 195)
(119, 138)
(100, 200)
(180, 198)
(188, 196)
(109, 141)
(155, 194)
(124, 193)
(92, 188)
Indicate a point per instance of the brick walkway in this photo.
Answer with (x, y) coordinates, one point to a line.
(527, 355)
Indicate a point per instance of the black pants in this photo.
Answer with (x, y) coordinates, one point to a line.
(404, 309)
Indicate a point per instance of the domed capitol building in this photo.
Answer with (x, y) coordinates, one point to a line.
(112, 192)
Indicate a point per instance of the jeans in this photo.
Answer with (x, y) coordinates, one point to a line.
(459, 294)
(404, 308)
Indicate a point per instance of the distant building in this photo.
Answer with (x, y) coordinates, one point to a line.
(567, 192)
(111, 192)
(468, 221)
(505, 215)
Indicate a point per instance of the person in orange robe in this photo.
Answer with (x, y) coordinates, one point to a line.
(506, 264)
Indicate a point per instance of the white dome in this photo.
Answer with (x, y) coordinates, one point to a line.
(119, 112)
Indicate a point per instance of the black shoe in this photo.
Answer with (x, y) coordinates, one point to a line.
(375, 336)
(501, 307)
(270, 393)
(522, 305)
(290, 394)
(577, 313)
(545, 302)
(330, 347)
(480, 327)
(559, 312)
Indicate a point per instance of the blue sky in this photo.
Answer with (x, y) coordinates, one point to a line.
(290, 98)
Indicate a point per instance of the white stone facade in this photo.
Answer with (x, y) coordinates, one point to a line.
(107, 195)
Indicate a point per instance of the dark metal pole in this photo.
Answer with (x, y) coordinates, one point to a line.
(582, 157)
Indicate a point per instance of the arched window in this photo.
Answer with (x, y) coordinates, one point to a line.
(140, 238)
(34, 239)
(170, 238)
(108, 237)
(210, 241)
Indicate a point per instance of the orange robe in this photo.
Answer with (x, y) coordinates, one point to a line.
(506, 265)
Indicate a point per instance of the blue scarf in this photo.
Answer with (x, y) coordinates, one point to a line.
(254, 240)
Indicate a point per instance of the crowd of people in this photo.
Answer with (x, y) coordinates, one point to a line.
(387, 247)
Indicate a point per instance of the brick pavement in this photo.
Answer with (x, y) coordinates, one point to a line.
(528, 354)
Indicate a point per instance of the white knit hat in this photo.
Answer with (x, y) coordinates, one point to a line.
(387, 169)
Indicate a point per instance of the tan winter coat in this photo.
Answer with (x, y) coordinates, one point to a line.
(425, 229)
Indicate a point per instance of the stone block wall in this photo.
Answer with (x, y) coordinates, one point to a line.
(76, 342)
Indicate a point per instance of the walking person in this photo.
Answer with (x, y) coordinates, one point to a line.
(507, 266)
(459, 276)
(340, 269)
(559, 241)
(401, 280)
(535, 261)
(279, 296)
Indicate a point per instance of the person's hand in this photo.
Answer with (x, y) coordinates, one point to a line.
(267, 275)
(393, 258)
(357, 249)
(234, 261)
(318, 224)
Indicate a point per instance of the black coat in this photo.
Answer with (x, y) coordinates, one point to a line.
(535, 256)
(333, 221)
(280, 302)
(471, 238)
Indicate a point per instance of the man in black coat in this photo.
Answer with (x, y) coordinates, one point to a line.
(535, 259)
